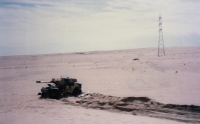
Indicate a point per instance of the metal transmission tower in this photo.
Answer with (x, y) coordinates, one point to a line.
(161, 49)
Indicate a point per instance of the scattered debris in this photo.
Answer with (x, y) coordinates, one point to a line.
(81, 53)
(86, 95)
(135, 59)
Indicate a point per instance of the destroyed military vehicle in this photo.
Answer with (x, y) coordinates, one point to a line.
(60, 87)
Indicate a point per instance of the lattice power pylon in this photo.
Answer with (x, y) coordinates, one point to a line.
(161, 48)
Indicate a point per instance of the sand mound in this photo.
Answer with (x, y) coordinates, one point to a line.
(132, 99)
(137, 106)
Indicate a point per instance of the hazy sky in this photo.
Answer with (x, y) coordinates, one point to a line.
(58, 26)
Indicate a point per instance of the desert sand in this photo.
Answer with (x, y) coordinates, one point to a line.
(150, 90)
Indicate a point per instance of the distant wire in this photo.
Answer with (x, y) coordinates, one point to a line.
(141, 29)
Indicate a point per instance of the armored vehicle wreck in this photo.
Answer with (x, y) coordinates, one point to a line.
(60, 87)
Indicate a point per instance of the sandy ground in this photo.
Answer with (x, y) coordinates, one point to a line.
(172, 79)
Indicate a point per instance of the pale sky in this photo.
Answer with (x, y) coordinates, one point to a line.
(60, 26)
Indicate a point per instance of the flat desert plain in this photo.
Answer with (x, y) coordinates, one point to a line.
(150, 90)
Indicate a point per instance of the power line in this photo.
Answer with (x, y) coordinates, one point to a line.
(161, 49)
